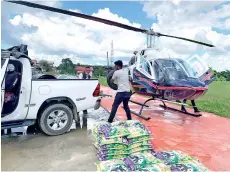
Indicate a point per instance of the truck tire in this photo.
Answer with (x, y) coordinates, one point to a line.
(109, 77)
(56, 119)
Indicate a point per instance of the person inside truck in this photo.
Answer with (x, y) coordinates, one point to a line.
(84, 75)
(11, 81)
(11, 78)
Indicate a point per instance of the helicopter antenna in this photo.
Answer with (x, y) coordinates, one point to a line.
(111, 53)
(107, 55)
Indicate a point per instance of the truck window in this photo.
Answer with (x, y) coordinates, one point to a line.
(2, 62)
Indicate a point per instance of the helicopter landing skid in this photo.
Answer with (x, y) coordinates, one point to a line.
(177, 110)
(138, 103)
(139, 114)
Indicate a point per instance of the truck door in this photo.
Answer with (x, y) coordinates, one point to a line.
(203, 72)
(4, 63)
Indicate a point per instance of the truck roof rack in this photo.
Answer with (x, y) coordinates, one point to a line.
(16, 51)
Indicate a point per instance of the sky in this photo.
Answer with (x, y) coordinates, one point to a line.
(51, 36)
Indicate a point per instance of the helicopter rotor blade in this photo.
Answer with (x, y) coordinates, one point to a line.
(80, 15)
(186, 39)
(97, 19)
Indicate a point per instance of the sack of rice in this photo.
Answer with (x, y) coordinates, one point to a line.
(137, 124)
(104, 141)
(111, 165)
(141, 148)
(138, 144)
(111, 146)
(139, 139)
(110, 132)
(156, 168)
(105, 157)
(188, 166)
(98, 128)
(131, 123)
(121, 123)
(138, 161)
(173, 157)
(113, 152)
(136, 132)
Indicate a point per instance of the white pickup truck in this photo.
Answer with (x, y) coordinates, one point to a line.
(51, 103)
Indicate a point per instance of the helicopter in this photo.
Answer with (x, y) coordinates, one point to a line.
(152, 73)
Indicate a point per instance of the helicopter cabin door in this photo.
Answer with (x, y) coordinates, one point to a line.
(203, 72)
(144, 74)
(145, 67)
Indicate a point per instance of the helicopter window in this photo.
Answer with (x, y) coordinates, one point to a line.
(159, 75)
(145, 66)
(132, 61)
(142, 52)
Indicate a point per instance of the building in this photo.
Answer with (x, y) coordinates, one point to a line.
(34, 62)
(81, 69)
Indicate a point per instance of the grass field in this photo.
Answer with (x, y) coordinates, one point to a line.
(103, 81)
(216, 100)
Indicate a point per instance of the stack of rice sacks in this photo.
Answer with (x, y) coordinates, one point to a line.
(120, 139)
(125, 146)
(175, 161)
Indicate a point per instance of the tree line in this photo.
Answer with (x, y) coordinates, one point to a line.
(68, 67)
(223, 75)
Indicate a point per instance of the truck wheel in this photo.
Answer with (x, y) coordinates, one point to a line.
(56, 119)
(109, 77)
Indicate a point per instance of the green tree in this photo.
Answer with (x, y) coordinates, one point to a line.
(221, 78)
(223, 75)
(99, 71)
(46, 66)
(67, 67)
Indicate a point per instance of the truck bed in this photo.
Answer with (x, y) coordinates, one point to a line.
(77, 90)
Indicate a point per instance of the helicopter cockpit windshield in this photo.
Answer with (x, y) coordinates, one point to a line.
(190, 71)
(168, 70)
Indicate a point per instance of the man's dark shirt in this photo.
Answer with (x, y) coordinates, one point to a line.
(11, 81)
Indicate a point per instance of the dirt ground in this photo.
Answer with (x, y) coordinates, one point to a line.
(72, 151)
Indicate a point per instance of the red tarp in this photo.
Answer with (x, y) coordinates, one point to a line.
(206, 138)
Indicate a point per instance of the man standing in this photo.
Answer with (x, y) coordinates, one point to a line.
(84, 75)
(90, 75)
(80, 76)
(121, 78)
